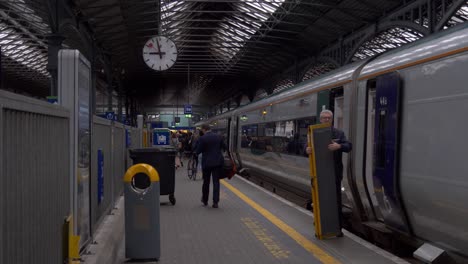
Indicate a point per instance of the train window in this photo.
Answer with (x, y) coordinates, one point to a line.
(338, 119)
(335, 94)
(261, 130)
(288, 137)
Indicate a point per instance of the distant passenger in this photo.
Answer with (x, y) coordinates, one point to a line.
(338, 145)
(196, 136)
(175, 144)
(295, 146)
(211, 146)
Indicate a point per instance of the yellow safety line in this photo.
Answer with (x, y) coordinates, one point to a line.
(319, 253)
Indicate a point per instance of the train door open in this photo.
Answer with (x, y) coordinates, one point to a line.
(337, 106)
(323, 101)
(333, 100)
(382, 146)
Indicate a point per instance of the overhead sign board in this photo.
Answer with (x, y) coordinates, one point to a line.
(187, 109)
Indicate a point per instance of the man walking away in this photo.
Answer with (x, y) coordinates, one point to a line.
(211, 146)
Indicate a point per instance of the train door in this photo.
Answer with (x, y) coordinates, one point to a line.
(333, 100)
(337, 106)
(233, 134)
(229, 133)
(323, 101)
(381, 168)
(235, 145)
(374, 195)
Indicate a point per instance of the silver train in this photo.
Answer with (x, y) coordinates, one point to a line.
(405, 111)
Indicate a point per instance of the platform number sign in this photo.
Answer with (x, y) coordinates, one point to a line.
(187, 109)
(110, 115)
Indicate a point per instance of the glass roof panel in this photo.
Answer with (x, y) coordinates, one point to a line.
(317, 70)
(244, 26)
(460, 16)
(3, 42)
(282, 85)
(26, 12)
(267, 5)
(390, 39)
(260, 14)
(21, 42)
(171, 18)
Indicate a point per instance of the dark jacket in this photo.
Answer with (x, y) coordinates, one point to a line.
(339, 137)
(211, 145)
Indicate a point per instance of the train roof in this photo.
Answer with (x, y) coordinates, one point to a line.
(432, 47)
(333, 78)
(444, 44)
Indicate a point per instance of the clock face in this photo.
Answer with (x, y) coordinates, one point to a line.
(159, 53)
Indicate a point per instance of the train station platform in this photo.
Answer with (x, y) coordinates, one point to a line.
(251, 225)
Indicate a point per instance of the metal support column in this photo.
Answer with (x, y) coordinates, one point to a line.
(119, 100)
(93, 80)
(55, 44)
(109, 89)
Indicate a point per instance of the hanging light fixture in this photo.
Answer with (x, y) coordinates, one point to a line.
(188, 107)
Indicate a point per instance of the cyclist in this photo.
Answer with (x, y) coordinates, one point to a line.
(194, 144)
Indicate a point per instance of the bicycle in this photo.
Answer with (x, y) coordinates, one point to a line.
(192, 167)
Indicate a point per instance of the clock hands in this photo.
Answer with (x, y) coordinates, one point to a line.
(159, 49)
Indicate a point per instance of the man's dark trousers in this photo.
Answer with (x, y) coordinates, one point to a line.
(216, 173)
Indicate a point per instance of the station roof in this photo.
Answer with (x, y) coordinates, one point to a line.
(226, 45)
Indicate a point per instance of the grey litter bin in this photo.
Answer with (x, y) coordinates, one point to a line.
(142, 231)
(162, 158)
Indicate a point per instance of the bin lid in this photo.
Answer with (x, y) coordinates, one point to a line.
(141, 168)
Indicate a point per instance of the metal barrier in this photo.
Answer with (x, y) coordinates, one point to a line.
(135, 141)
(120, 152)
(101, 170)
(34, 179)
(109, 141)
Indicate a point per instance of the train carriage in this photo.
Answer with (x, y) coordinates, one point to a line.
(407, 172)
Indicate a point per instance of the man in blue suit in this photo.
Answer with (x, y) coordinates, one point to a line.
(211, 145)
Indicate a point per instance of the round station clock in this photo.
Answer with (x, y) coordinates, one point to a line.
(159, 53)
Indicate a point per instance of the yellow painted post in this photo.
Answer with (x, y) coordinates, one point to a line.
(313, 181)
(145, 138)
(73, 242)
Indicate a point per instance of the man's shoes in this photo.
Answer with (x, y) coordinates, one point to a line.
(203, 202)
(215, 205)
